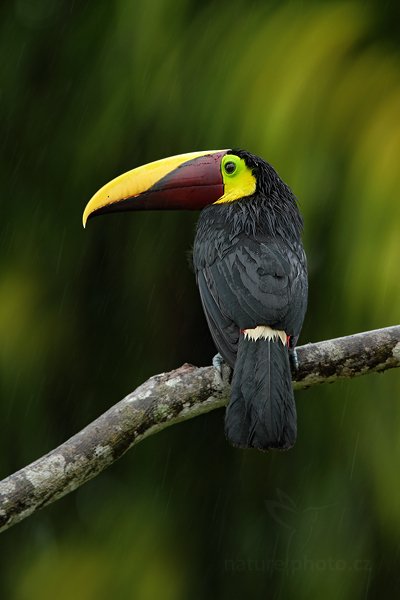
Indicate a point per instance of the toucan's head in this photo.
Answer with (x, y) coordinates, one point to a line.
(187, 181)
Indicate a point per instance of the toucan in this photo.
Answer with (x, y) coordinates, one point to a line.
(251, 272)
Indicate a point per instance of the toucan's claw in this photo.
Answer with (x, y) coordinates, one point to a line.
(217, 363)
(224, 370)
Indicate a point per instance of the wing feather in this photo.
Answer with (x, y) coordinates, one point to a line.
(253, 284)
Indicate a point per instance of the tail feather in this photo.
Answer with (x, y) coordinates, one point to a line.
(262, 411)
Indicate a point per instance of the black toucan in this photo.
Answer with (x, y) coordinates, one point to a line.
(251, 271)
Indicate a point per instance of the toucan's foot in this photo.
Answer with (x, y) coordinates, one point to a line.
(217, 362)
(224, 370)
(294, 361)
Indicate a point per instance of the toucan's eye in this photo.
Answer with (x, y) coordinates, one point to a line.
(230, 167)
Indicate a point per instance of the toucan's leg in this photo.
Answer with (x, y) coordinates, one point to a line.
(224, 370)
(293, 359)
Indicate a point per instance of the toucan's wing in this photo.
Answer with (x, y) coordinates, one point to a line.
(224, 331)
(255, 283)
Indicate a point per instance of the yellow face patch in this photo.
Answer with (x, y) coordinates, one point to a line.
(238, 178)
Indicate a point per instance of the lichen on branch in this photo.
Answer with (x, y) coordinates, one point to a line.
(170, 398)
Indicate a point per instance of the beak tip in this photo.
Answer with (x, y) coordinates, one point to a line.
(85, 219)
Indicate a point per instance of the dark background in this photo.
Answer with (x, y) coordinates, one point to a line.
(90, 89)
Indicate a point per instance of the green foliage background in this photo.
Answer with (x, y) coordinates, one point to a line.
(91, 89)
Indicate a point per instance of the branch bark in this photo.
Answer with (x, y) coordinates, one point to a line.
(167, 399)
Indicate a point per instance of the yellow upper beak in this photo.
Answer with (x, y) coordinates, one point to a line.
(141, 180)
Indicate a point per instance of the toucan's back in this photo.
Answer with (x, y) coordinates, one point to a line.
(252, 276)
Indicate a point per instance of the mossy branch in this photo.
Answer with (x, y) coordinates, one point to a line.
(167, 399)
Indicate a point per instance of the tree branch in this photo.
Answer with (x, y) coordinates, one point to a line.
(167, 399)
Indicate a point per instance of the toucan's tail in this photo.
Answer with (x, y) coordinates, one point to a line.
(262, 412)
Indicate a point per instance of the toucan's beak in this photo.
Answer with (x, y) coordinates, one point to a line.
(187, 181)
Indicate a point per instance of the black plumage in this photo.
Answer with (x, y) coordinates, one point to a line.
(251, 271)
